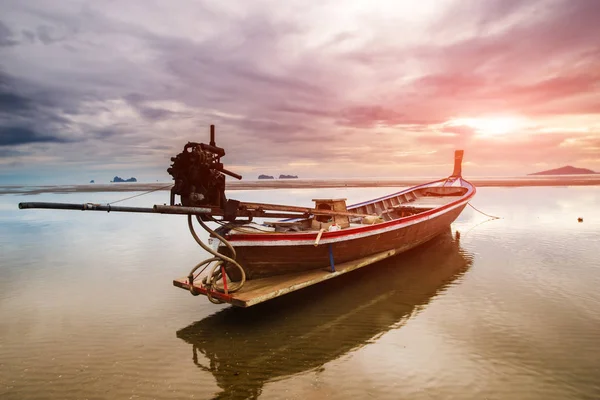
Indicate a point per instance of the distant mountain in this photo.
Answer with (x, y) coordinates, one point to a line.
(567, 170)
(265, 177)
(288, 176)
(119, 179)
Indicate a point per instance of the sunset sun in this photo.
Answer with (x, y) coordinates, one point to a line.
(494, 126)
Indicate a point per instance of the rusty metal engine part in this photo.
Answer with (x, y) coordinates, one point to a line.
(199, 175)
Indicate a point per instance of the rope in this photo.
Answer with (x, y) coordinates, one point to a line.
(474, 226)
(192, 277)
(214, 273)
(481, 212)
(140, 194)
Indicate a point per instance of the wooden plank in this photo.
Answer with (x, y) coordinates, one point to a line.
(314, 211)
(282, 223)
(259, 290)
(423, 203)
(328, 200)
(432, 201)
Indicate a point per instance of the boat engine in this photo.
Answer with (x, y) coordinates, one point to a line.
(199, 175)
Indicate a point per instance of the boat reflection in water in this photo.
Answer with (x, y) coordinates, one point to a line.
(245, 348)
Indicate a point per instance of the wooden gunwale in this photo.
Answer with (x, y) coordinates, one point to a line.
(289, 238)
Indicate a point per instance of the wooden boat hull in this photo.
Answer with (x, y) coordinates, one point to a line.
(267, 255)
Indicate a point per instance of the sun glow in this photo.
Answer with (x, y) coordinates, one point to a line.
(491, 126)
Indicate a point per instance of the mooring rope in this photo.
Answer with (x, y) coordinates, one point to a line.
(140, 194)
(481, 212)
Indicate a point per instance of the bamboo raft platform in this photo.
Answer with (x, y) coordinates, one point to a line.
(259, 290)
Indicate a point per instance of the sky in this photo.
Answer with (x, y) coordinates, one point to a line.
(334, 88)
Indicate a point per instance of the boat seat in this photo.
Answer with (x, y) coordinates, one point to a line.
(282, 223)
(410, 206)
(286, 226)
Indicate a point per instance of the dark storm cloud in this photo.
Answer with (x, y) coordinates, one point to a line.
(16, 135)
(27, 119)
(11, 102)
(19, 96)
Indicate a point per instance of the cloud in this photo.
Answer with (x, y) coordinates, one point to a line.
(101, 83)
(368, 116)
(148, 112)
(6, 152)
(463, 130)
(15, 135)
(11, 102)
(6, 36)
(27, 120)
(514, 56)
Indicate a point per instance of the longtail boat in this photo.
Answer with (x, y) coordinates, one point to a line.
(399, 221)
(256, 261)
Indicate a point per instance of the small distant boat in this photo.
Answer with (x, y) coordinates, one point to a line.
(396, 222)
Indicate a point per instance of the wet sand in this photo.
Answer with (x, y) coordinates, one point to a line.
(574, 180)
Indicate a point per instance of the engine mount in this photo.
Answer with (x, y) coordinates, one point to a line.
(199, 175)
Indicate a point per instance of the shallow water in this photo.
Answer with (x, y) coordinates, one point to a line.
(511, 310)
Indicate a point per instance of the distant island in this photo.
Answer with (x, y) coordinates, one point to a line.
(567, 170)
(119, 179)
(282, 176)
